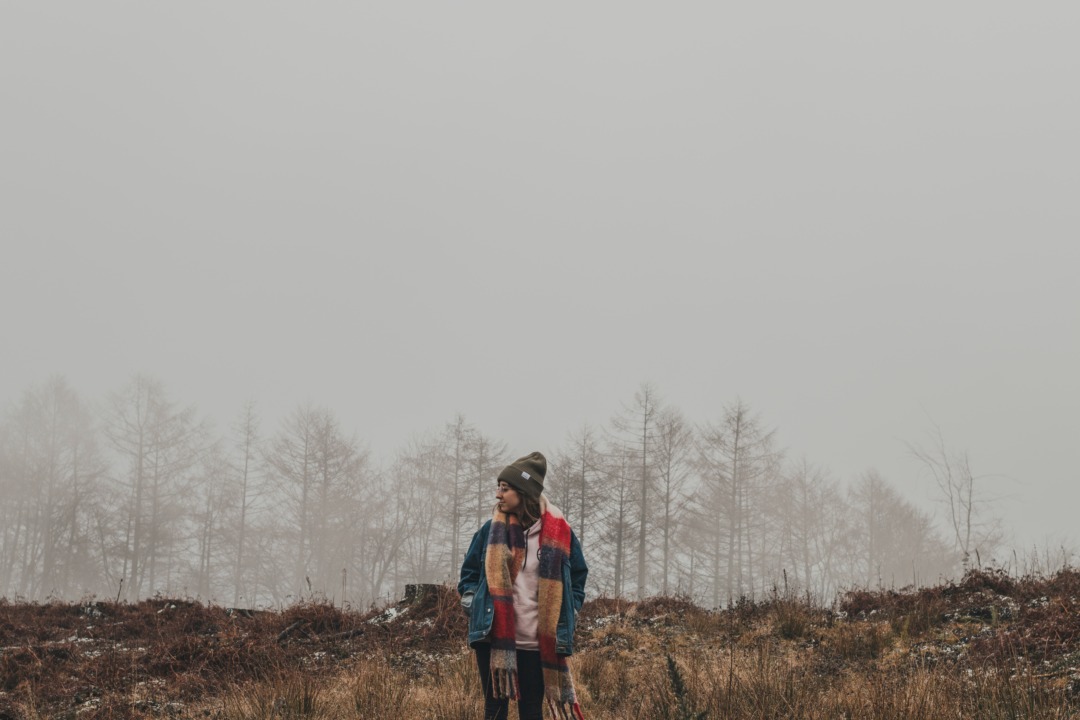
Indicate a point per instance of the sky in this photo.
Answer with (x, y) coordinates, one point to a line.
(859, 218)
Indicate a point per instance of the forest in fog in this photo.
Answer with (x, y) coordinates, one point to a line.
(135, 495)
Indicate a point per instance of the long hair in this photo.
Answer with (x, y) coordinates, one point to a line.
(530, 511)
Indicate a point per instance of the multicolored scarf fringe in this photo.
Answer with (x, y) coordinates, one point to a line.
(505, 552)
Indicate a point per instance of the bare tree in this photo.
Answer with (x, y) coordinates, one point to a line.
(158, 445)
(618, 509)
(246, 487)
(811, 520)
(674, 446)
(736, 460)
(579, 465)
(892, 541)
(49, 469)
(633, 435)
(386, 524)
(974, 531)
(872, 499)
(486, 458)
(458, 436)
(418, 476)
(319, 472)
(208, 514)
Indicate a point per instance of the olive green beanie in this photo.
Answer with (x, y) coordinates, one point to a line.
(526, 474)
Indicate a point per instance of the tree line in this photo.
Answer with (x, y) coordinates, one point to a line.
(137, 495)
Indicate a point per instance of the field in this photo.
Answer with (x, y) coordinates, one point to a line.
(989, 646)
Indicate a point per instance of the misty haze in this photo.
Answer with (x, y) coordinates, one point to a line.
(786, 296)
(144, 498)
(862, 232)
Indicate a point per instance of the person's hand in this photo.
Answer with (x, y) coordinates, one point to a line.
(467, 598)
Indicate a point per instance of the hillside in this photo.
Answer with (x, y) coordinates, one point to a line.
(990, 646)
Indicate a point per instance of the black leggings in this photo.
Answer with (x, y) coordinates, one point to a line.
(530, 685)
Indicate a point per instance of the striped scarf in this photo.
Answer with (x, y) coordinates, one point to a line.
(505, 552)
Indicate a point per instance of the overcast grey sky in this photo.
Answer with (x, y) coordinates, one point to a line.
(854, 216)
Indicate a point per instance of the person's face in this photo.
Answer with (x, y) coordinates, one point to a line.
(508, 497)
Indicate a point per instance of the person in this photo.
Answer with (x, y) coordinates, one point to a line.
(523, 582)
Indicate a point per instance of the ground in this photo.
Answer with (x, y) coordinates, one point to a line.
(987, 646)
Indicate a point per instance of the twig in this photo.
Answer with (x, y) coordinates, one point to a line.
(347, 634)
(289, 630)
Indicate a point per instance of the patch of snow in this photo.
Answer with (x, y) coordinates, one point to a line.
(88, 706)
(386, 615)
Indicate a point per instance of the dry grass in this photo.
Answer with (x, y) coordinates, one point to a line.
(988, 647)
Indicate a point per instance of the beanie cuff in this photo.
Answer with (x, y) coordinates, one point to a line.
(522, 480)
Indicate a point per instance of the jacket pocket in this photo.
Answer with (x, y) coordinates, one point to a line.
(480, 614)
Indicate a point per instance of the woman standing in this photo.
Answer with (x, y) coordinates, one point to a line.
(523, 582)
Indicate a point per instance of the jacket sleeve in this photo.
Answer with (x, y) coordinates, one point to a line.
(472, 567)
(579, 571)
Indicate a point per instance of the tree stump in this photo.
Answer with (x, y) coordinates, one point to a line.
(419, 592)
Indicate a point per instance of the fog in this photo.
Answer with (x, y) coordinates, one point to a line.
(860, 221)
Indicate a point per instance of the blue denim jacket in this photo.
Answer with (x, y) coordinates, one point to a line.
(474, 581)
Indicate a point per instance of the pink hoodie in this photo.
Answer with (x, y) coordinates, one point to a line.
(527, 592)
